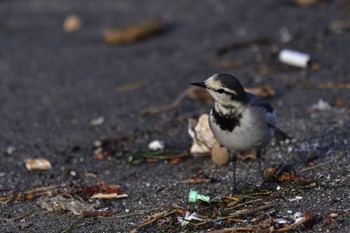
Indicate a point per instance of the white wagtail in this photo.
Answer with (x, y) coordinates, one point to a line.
(240, 121)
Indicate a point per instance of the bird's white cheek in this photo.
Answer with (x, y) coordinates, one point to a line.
(216, 96)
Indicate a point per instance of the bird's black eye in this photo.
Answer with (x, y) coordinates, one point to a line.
(221, 91)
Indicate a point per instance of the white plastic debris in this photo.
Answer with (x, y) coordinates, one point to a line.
(97, 121)
(321, 105)
(37, 164)
(296, 198)
(294, 58)
(188, 217)
(156, 145)
(202, 136)
(281, 221)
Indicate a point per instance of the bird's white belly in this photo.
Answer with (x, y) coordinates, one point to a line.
(252, 132)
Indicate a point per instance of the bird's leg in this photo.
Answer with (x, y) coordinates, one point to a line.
(258, 155)
(234, 160)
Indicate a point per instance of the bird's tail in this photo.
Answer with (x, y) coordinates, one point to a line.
(280, 135)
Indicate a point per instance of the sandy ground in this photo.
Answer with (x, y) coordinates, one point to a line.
(54, 83)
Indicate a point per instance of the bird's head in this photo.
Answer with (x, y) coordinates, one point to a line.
(225, 89)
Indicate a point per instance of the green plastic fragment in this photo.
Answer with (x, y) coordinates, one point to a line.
(194, 196)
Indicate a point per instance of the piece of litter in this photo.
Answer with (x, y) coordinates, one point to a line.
(188, 217)
(294, 58)
(109, 196)
(194, 196)
(296, 198)
(135, 33)
(202, 136)
(321, 105)
(59, 202)
(10, 150)
(156, 145)
(71, 23)
(37, 164)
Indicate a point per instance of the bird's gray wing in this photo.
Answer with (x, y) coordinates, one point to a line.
(258, 102)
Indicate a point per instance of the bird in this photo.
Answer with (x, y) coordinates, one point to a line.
(242, 122)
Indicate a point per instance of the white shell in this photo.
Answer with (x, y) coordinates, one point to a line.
(156, 145)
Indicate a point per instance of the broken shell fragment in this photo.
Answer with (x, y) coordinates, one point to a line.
(203, 138)
(219, 154)
(294, 58)
(37, 164)
(156, 145)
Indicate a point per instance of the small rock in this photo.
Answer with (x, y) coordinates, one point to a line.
(71, 23)
(97, 121)
(219, 154)
(156, 145)
(10, 150)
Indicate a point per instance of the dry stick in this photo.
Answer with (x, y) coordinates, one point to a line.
(15, 219)
(138, 212)
(130, 86)
(157, 218)
(166, 107)
(43, 188)
(293, 226)
(248, 202)
(251, 211)
(235, 229)
(219, 219)
(322, 164)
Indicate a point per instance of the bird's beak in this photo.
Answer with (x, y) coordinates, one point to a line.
(199, 84)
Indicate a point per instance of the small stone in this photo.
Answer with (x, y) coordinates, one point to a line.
(10, 150)
(156, 145)
(219, 154)
(71, 23)
(97, 121)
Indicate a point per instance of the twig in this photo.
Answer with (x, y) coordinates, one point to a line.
(322, 164)
(6, 200)
(326, 86)
(96, 213)
(109, 196)
(157, 218)
(130, 86)
(248, 202)
(139, 212)
(251, 211)
(241, 45)
(79, 226)
(15, 219)
(293, 226)
(236, 229)
(166, 107)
